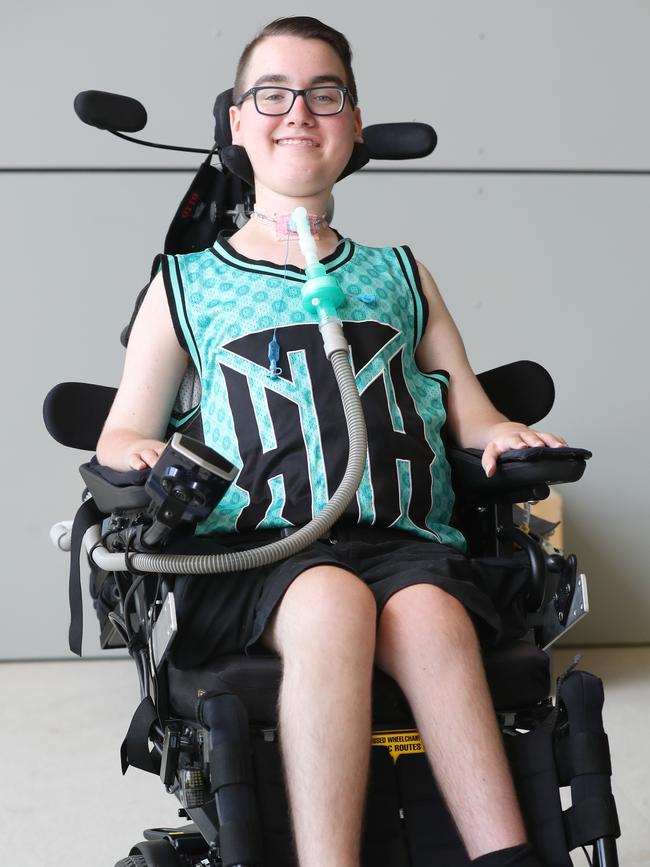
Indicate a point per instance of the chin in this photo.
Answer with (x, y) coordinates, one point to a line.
(299, 184)
(300, 175)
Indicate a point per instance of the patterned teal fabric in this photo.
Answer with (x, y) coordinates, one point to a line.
(287, 432)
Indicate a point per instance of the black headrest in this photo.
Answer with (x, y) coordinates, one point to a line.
(522, 390)
(75, 412)
(110, 111)
(235, 158)
(399, 141)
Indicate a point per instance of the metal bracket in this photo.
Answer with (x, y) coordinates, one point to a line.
(164, 630)
(554, 624)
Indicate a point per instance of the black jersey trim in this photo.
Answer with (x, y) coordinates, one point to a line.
(293, 275)
(181, 334)
(418, 286)
(334, 265)
(440, 371)
(171, 302)
(338, 257)
(443, 378)
(417, 323)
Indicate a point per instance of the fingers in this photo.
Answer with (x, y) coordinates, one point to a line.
(519, 439)
(138, 461)
(146, 456)
(504, 443)
(534, 438)
(553, 440)
(150, 456)
(489, 459)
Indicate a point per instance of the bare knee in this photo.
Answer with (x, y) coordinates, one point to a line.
(424, 619)
(424, 603)
(324, 607)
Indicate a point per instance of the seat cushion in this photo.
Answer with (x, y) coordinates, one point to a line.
(255, 679)
(518, 676)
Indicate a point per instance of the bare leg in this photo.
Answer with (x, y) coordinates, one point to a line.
(324, 630)
(427, 643)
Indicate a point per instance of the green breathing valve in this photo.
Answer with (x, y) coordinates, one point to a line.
(321, 293)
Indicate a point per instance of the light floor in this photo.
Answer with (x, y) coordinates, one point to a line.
(64, 802)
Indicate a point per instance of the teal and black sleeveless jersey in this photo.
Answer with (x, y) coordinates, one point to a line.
(287, 432)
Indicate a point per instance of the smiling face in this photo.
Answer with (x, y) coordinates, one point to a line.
(298, 155)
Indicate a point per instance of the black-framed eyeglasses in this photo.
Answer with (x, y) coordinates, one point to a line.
(273, 101)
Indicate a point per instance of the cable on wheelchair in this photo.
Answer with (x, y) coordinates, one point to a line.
(137, 649)
(151, 144)
(101, 543)
(127, 599)
(121, 624)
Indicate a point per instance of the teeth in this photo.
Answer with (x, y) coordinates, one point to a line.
(295, 141)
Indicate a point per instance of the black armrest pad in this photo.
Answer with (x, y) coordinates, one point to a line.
(521, 474)
(542, 453)
(112, 489)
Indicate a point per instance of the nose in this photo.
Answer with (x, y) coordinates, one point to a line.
(299, 113)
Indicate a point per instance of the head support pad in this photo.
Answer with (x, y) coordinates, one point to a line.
(235, 158)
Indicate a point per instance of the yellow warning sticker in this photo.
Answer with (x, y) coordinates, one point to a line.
(399, 742)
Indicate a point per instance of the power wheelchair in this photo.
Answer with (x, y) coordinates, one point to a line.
(211, 733)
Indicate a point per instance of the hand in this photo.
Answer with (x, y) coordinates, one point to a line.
(143, 453)
(512, 435)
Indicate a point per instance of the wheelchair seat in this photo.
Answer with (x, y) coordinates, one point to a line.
(518, 675)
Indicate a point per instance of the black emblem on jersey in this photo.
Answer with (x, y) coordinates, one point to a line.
(396, 432)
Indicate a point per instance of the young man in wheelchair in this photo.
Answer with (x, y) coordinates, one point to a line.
(395, 591)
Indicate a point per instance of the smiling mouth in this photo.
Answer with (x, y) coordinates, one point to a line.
(299, 142)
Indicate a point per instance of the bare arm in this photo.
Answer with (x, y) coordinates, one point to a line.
(153, 368)
(473, 420)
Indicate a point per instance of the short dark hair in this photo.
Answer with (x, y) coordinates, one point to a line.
(306, 28)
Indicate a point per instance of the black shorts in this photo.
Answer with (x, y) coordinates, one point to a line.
(220, 614)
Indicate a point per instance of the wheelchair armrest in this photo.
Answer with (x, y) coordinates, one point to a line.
(521, 474)
(113, 490)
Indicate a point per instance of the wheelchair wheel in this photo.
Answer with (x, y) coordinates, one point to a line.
(151, 853)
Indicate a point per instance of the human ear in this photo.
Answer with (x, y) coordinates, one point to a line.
(358, 126)
(234, 114)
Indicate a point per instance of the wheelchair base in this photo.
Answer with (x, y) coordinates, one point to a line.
(407, 823)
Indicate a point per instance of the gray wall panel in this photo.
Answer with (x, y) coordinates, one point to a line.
(506, 83)
(548, 268)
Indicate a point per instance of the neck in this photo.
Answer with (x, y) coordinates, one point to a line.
(272, 202)
(272, 212)
(282, 227)
(258, 240)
